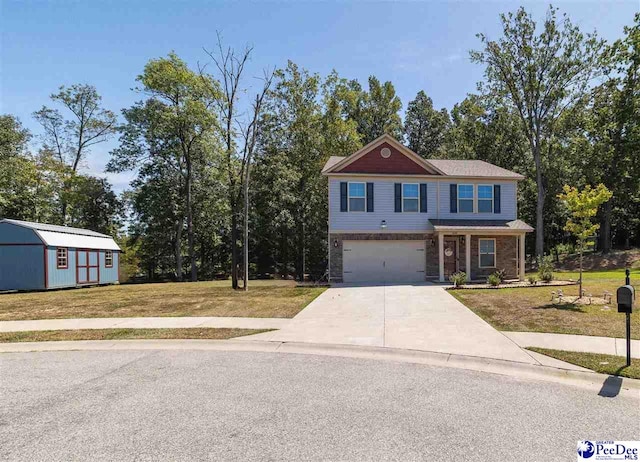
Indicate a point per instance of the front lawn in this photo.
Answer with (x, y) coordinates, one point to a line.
(530, 308)
(125, 334)
(604, 364)
(265, 299)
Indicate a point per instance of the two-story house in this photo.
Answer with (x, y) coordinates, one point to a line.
(396, 217)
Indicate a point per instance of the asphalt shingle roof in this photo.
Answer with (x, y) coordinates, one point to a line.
(475, 168)
(453, 224)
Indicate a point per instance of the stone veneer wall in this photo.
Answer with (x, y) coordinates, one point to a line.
(335, 253)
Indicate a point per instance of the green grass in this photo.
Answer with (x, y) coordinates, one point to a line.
(265, 299)
(604, 364)
(126, 334)
(529, 309)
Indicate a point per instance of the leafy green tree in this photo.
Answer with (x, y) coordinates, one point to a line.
(13, 137)
(540, 75)
(425, 128)
(170, 127)
(583, 206)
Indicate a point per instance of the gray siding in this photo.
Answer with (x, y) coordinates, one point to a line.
(508, 202)
(21, 267)
(383, 210)
(415, 221)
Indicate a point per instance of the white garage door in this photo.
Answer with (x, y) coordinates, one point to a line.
(383, 261)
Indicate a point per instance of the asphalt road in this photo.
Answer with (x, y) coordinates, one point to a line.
(196, 405)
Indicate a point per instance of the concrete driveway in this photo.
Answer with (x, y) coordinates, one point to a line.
(417, 317)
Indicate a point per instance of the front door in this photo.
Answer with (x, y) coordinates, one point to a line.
(450, 257)
(87, 266)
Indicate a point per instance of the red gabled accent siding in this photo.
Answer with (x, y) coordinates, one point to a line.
(373, 162)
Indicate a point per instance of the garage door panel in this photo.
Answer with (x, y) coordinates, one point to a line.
(383, 261)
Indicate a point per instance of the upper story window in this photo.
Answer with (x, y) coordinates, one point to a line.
(465, 198)
(485, 198)
(487, 253)
(62, 258)
(410, 197)
(357, 197)
(108, 258)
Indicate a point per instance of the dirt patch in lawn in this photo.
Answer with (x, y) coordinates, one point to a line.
(126, 334)
(531, 309)
(265, 299)
(599, 261)
(604, 364)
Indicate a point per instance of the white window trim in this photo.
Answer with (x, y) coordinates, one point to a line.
(478, 198)
(402, 196)
(473, 199)
(495, 252)
(356, 197)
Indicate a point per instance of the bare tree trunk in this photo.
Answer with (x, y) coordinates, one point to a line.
(246, 227)
(539, 204)
(605, 241)
(178, 249)
(234, 248)
(192, 254)
(581, 247)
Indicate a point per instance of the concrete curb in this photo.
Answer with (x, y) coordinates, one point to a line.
(523, 371)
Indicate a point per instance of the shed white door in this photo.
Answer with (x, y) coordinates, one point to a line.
(383, 261)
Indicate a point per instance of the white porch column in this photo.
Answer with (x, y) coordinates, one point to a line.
(441, 256)
(521, 266)
(467, 252)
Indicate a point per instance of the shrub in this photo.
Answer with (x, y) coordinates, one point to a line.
(532, 279)
(458, 278)
(493, 280)
(502, 274)
(545, 268)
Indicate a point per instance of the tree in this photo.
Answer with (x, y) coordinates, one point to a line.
(583, 206)
(13, 137)
(71, 139)
(375, 112)
(424, 127)
(541, 76)
(240, 137)
(170, 129)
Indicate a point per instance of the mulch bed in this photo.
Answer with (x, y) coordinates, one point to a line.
(512, 285)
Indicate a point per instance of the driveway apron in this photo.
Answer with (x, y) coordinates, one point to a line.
(417, 317)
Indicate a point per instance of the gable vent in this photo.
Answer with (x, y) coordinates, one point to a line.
(385, 152)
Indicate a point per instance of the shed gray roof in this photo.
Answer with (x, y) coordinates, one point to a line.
(488, 225)
(54, 228)
(474, 168)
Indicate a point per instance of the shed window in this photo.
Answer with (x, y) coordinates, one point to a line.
(62, 258)
(108, 258)
(465, 198)
(410, 197)
(487, 248)
(485, 198)
(357, 197)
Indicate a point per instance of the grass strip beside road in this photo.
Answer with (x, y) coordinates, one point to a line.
(604, 364)
(126, 334)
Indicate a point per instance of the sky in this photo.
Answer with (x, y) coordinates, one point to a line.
(415, 45)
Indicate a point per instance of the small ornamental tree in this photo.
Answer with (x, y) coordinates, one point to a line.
(583, 206)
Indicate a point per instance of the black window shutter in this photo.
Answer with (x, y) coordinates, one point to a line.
(453, 198)
(369, 197)
(496, 198)
(398, 196)
(423, 197)
(343, 196)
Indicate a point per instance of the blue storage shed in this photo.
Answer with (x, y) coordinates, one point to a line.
(38, 256)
